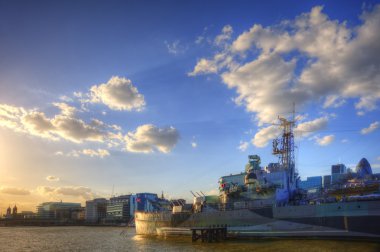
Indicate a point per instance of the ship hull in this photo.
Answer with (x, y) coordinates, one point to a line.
(344, 219)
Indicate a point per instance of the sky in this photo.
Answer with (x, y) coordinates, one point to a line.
(101, 98)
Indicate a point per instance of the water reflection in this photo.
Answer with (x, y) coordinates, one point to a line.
(122, 239)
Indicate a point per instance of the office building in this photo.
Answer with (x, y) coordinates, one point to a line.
(311, 183)
(96, 210)
(58, 210)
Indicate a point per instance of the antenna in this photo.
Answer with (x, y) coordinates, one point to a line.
(203, 193)
(193, 194)
(283, 147)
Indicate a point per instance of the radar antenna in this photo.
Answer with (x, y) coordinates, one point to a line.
(283, 147)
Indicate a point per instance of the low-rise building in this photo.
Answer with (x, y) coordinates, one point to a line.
(58, 210)
(118, 209)
(311, 183)
(96, 210)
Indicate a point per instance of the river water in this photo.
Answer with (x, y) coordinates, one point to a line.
(125, 239)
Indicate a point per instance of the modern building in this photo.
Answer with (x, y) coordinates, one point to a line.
(119, 209)
(146, 202)
(326, 181)
(338, 169)
(363, 168)
(96, 210)
(337, 173)
(28, 214)
(58, 210)
(311, 183)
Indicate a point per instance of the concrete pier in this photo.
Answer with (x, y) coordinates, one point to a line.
(208, 234)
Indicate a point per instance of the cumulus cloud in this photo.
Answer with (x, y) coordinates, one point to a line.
(67, 126)
(118, 94)
(76, 191)
(307, 128)
(52, 178)
(65, 108)
(61, 126)
(10, 116)
(148, 138)
(204, 66)
(263, 64)
(14, 191)
(372, 127)
(88, 152)
(243, 146)
(96, 153)
(266, 134)
(333, 101)
(324, 141)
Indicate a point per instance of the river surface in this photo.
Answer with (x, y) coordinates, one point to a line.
(125, 239)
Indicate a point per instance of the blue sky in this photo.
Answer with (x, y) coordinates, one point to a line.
(160, 95)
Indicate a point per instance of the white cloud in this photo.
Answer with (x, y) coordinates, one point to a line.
(204, 66)
(36, 123)
(175, 47)
(243, 146)
(88, 152)
(307, 128)
(324, 141)
(148, 137)
(10, 117)
(76, 191)
(264, 135)
(203, 38)
(372, 127)
(344, 140)
(226, 34)
(65, 98)
(118, 94)
(14, 191)
(63, 125)
(263, 64)
(78, 94)
(262, 86)
(52, 178)
(333, 101)
(96, 153)
(65, 108)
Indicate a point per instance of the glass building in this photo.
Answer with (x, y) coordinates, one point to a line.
(311, 183)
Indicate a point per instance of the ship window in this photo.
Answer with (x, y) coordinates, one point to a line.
(358, 206)
(339, 207)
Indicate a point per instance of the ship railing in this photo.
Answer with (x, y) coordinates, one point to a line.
(233, 206)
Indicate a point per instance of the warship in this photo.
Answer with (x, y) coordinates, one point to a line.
(269, 202)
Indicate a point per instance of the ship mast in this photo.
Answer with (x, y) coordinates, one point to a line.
(283, 147)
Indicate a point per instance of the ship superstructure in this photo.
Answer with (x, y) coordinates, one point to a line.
(267, 201)
(276, 184)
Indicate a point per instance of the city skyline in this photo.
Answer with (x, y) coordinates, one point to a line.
(143, 96)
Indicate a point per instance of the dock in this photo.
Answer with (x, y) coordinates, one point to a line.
(208, 234)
